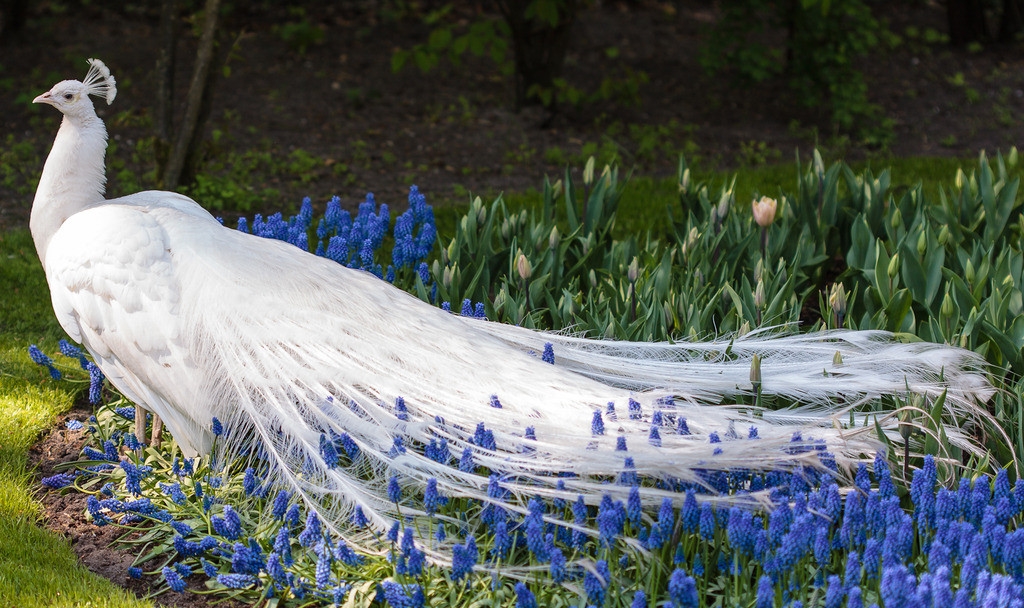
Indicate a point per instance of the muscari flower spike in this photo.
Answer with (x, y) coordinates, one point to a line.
(39, 358)
(173, 579)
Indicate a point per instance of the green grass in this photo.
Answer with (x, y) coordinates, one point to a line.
(37, 567)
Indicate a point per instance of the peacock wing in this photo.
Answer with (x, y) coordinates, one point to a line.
(113, 283)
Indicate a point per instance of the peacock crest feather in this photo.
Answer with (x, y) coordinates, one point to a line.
(99, 81)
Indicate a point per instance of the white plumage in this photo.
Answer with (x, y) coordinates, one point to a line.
(193, 320)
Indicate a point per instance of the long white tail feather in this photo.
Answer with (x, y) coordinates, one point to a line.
(319, 364)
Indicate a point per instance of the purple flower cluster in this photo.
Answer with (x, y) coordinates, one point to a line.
(414, 232)
(957, 546)
(402, 596)
(355, 241)
(39, 358)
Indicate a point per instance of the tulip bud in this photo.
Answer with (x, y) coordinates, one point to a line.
(744, 330)
(481, 215)
(723, 204)
(969, 272)
(764, 211)
(1011, 158)
(837, 300)
(947, 310)
(944, 235)
(897, 217)
(960, 178)
(755, 371)
(556, 189)
(588, 171)
(699, 276)
(684, 182)
(691, 238)
(593, 278)
(922, 244)
(759, 294)
(759, 269)
(554, 238)
(523, 267)
(837, 359)
(505, 230)
(894, 266)
(446, 278)
(906, 424)
(634, 270)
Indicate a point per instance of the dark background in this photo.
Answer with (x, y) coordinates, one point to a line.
(308, 102)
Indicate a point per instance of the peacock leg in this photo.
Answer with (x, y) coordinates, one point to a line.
(140, 423)
(158, 429)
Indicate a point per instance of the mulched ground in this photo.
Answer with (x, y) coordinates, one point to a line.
(65, 515)
(341, 102)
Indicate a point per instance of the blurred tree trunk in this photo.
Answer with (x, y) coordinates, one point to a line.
(194, 153)
(182, 160)
(966, 21)
(165, 64)
(1011, 23)
(539, 42)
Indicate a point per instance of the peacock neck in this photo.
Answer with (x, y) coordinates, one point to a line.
(73, 177)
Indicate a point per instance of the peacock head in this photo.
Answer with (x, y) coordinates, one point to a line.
(71, 97)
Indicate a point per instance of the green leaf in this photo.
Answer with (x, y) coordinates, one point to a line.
(898, 310)
(913, 273)
(398, 60)
(440, 39)
(424, 61)
(933, 260)
(570, 202)
(881, 278)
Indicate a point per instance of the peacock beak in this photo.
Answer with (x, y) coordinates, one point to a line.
(44, 98)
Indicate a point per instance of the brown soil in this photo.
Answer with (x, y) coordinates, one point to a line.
(454, 130)
(341, 102)
(65, 515)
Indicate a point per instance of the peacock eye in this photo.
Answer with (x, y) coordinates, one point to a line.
(68, 96)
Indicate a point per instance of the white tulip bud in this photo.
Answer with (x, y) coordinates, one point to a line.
(764, 211)
(837, 299)
(523, 267)
(556, 189)
(759, 294)
(588, 171)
